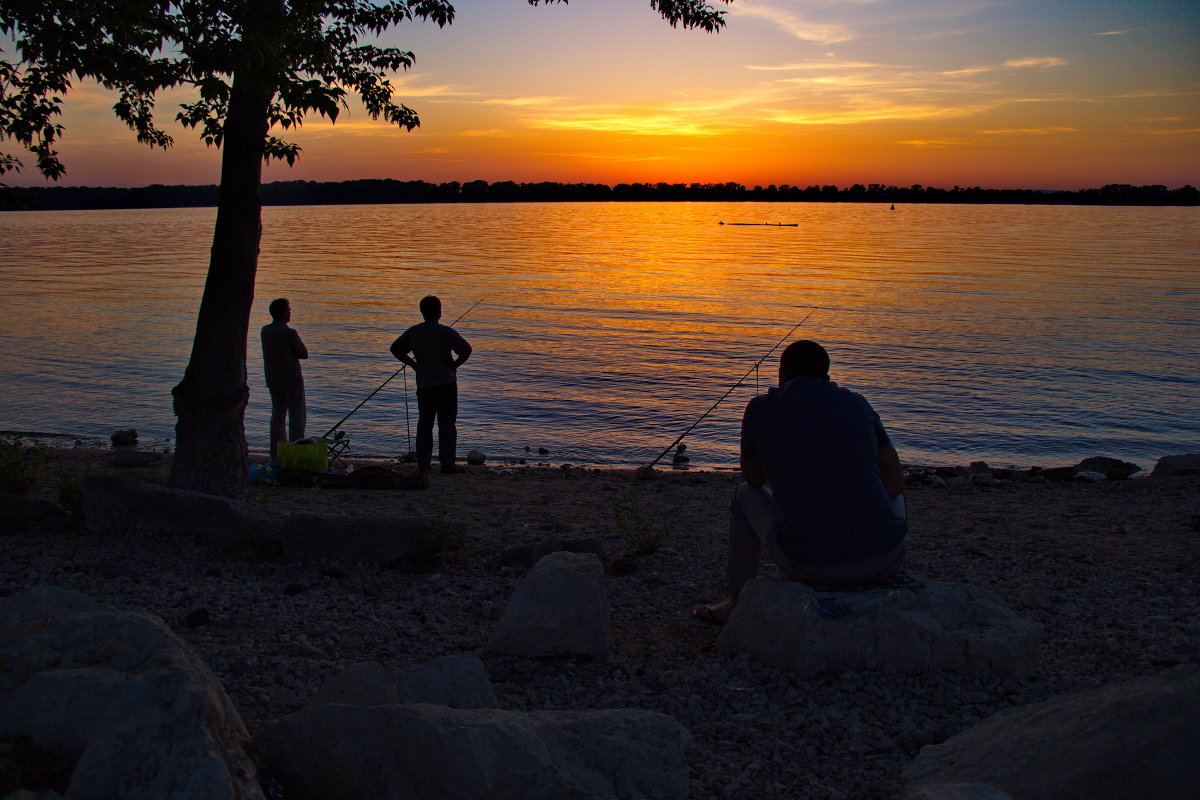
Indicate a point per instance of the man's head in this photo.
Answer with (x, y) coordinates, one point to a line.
(803, 358)
(281, 310)
(431, 308)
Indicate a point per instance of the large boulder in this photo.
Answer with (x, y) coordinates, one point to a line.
(942, 626)
(115, 504)
(1172, 466)
(1134, 739)
(21, 513)
(457, 681)
(367, 683)
(119, 701)
(369, 540)
(1112, 469)
(560, 607)
(126, 437)
(429, 752)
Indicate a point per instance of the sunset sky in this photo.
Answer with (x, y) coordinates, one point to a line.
(1063, 94)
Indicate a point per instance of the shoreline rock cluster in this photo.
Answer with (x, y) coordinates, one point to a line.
(1094, 469)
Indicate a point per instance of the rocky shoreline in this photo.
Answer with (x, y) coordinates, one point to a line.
(1106, 567)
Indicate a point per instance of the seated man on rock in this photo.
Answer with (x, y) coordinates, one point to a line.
(824, 488)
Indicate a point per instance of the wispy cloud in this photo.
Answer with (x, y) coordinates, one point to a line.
(816, 66)
(1043, 62)
(1151, 93)
(321, 128)
(704, 116)
(407, 89)
(1113, 33)
(1034, 61)
(1035, 131)
(523, 102)
(943, 34)
(643, 122)
(877, 110)
(788, 20)
(932, 144)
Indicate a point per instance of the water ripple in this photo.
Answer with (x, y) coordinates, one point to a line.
(1010, 333)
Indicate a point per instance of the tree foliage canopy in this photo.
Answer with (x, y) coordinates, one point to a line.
(308, 53)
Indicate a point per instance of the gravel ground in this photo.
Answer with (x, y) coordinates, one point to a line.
(1108, 569)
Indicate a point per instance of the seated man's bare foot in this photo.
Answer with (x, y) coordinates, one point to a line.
(717, 614)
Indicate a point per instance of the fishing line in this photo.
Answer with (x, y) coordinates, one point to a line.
(720, 400)
(393, 375)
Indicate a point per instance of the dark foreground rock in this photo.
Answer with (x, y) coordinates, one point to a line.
(560, 607)
(943, 626)
(118, 702)
(126, 437)
(1173, 466)
(21, 513)
(1135, 739)
(114, 504)
(457, 681)
(428, 752)
(1113, 469)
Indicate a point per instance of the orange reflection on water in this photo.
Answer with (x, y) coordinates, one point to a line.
(606, 329)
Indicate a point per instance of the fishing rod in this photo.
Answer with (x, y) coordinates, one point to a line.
(407, 417)
(720, 400)
(393, 375)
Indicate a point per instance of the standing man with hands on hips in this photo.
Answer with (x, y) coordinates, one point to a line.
(435, 352)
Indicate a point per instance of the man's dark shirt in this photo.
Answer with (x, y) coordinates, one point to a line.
(282, 351)
(819, 447)
(433, 346)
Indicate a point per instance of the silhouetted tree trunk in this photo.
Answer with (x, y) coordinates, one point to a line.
(210, 401)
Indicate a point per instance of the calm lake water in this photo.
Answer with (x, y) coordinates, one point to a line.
(1013, 334)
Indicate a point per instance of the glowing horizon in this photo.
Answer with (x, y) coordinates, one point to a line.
(1070, 95)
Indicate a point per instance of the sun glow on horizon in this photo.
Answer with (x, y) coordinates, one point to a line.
(801, 93)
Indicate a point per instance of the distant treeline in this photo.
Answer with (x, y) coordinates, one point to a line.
(298, 193)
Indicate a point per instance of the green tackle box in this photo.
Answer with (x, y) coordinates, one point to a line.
(308, 455)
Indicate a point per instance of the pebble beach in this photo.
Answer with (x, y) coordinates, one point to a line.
(1107, 569)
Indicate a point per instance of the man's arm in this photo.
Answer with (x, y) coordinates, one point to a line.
(401, 349)
(462, 351)
(890, 471)
(752, 469)
(298, 348)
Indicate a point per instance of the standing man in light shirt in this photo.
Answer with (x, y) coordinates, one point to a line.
(434, 352)
(282, 352)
